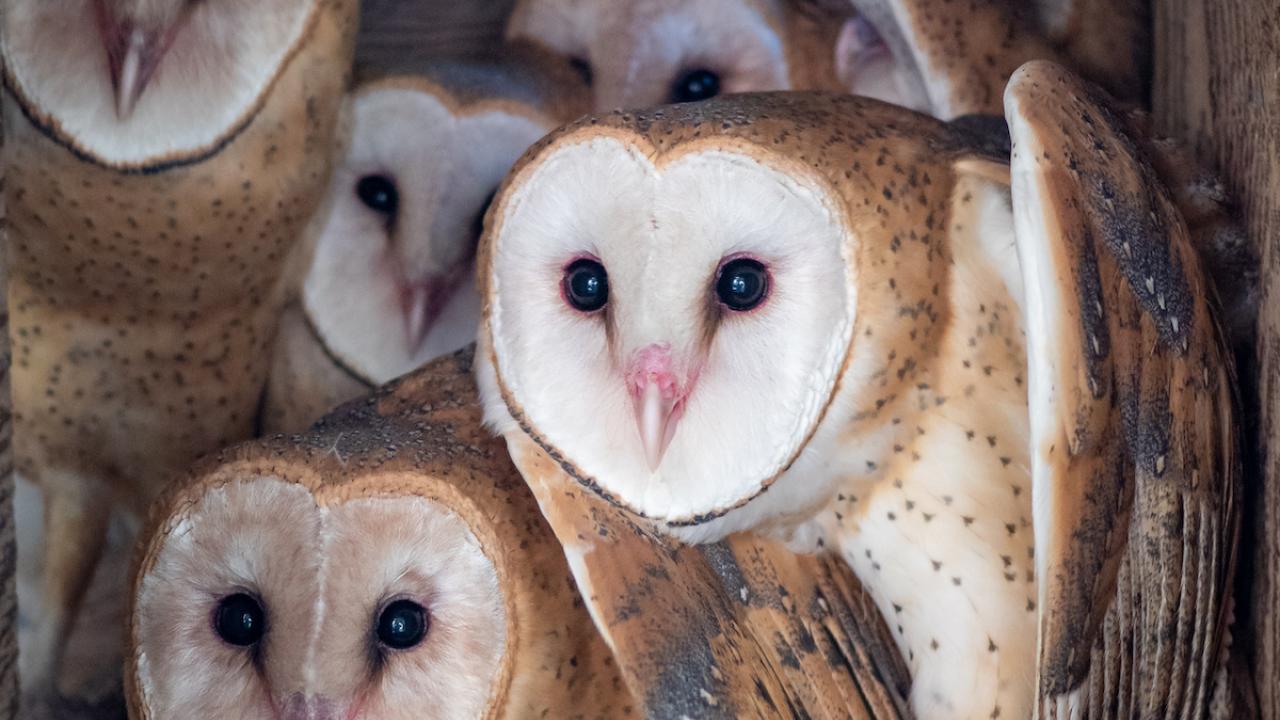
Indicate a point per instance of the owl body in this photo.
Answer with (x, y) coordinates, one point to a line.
(146, 275)
(868, 332)
(391, 285)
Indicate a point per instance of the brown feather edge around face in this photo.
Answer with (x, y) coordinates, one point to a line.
(725, 117)
(52, 129)
(314, 460)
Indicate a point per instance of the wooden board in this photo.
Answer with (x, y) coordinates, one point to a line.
(1217, 86)
(407, 29)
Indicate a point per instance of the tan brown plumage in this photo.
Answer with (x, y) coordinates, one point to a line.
(1033, 400)
(145, 294)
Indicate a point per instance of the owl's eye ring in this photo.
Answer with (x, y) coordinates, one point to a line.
(240, 620)
(402, 624)
(585, 285)
(695, 85)
(379, 193)
(742, 283)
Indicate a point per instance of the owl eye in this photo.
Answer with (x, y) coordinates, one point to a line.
(402, 624)
(239, 620)
(743, 284)
(378, 193)
(583, 68)
(586, 285)
(696, 85)
(478, 227)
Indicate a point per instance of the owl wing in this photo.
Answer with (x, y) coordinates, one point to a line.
(1135, 462)
(738, 629)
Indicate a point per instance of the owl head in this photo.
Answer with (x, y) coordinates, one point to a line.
(136, 83)
(391, 284)
(705, 272)
(389, 564)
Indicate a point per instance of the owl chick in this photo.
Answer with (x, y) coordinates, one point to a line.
(392, 281)
(162, 158)
(996, 391)
(391, 563)
(652, 52)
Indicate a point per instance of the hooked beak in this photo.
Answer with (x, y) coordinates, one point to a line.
(657, 399)
(133, 54)
(423, 302)
(654, 414)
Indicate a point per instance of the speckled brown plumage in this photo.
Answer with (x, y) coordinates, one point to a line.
(144, 300)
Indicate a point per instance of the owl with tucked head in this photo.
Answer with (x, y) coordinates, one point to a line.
(979, 375)
(391, 283)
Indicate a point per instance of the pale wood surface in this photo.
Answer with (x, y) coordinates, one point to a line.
(1217, 86)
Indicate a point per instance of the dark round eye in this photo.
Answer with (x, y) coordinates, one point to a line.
(478, 227)
(379, 193)
(583, 68)
(402, 624)
(239, 620)
(743, 284)
(696, 85)
(586, 285)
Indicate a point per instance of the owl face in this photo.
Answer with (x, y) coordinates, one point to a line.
(660, 51)
(643, 53)
(268, 601)
(703, 296)
(392, 281)
(133, 83)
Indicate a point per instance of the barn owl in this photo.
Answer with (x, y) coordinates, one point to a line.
(162, 159)
(390, 562)
(391, 284)
(652, 52)
(991, 385)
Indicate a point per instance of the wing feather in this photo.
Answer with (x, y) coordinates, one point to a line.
(738, 629)
(1136, 475)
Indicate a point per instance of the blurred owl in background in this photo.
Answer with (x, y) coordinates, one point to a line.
(391, 284)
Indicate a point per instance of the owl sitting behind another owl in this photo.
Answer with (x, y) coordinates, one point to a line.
(391, 284)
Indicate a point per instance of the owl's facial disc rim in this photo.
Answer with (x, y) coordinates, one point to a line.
(823, 363)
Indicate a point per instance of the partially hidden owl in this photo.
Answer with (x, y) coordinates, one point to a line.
(391, 563)
(639, 53)
(391, 284)
(987, 378)
(162, 158)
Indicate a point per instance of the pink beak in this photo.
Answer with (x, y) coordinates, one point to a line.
(308, 707)
(133, 54)
(657, 398)
(422, 303)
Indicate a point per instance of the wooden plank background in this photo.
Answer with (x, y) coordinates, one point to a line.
(406, 29)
